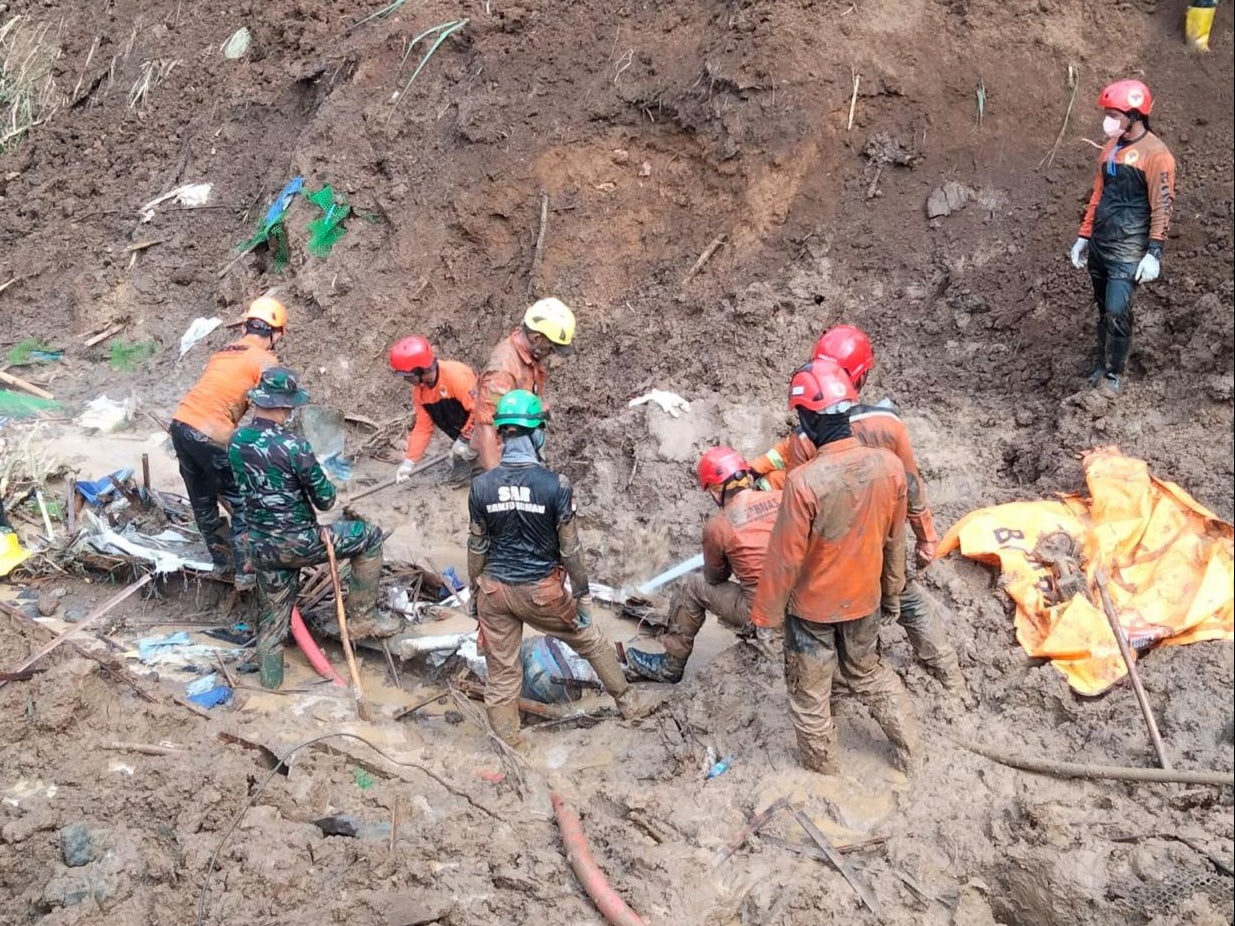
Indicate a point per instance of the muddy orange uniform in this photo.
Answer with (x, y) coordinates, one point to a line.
(735, 542)
(511, 366)
(838, 543)
(217, 402)
(200, 429)
(873, 426)
(837, 549)
(448, 405)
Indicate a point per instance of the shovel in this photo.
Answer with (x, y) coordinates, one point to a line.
(427, 464)
(619, 596)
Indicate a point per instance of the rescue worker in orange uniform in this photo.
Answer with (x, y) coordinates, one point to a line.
(203, 424)
(1125, 224)
(519, 361)
(881, 426)
(836, 552)
(735, 540)
(443, 395)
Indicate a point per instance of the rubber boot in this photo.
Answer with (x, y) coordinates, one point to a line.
(1099, 372)
(658, 667)
(630, 702)
(364, 620)
(504, 719)
(1198, 22)
(270, 668)
(1120, 348)
(891, 712)
(818, 754)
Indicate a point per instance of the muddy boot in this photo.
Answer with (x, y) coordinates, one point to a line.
(818, 753)
(630, 702)
(270, 668)
(947, 669)
(365, 621)
(892, 714)
(658, 667)
(1100, 368)
(504, 719)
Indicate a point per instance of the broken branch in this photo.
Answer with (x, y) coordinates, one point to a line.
(1110, 772)
(28, 386)
(539, 253)
(704, 257)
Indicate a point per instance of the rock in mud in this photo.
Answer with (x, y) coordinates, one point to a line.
(949, 198)
(76, 845)
(338, 825)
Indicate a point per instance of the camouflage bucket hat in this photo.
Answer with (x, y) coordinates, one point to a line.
(278, 389)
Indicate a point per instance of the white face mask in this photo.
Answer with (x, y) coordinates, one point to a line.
(1112, 126)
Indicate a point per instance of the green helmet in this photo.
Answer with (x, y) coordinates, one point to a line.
(521, 409)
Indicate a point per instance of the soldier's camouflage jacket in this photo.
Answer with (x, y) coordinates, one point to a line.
(281, 483)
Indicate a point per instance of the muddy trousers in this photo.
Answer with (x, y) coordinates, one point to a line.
(927, 636)
(813, 653)
(1113, 286)
(503, 610)
(278, 561)
(208, 479)
(688, 609)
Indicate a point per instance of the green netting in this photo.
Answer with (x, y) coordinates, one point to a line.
(128, 357)
(324, 233)
(20, 405)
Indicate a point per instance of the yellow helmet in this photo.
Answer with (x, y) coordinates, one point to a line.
(552, 318)
(269, 310)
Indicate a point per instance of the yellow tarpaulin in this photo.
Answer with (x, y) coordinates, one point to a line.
(1169, 561)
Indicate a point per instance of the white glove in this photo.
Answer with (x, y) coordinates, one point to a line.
(1148, 269)
(404, 472)
(462, 450)
(1080, 253)
(670, 403)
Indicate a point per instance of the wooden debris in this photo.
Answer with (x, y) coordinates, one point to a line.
(837, 860)
(26, 385)
(362, 706)
(539, 253)
(853, 101)
(142, 245)
(1121, 638)
(817, 853)
(759, 821)
(146, 749)
(5, 285)
(91, 619)
(1110, 772)
(105, 334)
(704, 257)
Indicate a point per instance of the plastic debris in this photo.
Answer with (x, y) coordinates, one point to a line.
(324, 233)
(105, 415)
(188, 195)
(719, 768)
(452, 577)
(100, 489)
(202, 685)
(219, 694)
(271, 232)
(546, 659)
(237, 44)
(670, 403)
(149, 646)
(168, 550)
(196, 332)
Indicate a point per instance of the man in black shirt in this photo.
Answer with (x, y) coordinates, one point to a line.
(523, 544)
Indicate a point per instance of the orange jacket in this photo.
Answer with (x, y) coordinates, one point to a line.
(1132, 199)
(511, 366)
(447, 404)
(735, 539)
(219, 398)
(838, 546)
(874, 426)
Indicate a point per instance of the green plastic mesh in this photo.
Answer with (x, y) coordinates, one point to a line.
(324, 233)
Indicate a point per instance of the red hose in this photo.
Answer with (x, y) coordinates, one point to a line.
(317, 659)
(612, 907)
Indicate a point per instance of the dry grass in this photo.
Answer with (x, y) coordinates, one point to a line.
(152, 74)
(28, 94)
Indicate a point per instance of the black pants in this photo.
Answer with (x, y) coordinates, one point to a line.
(208, 479)
(1113, 286)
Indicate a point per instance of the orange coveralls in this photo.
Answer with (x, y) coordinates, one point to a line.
(511, 366)
(448, 404)
(837, 549)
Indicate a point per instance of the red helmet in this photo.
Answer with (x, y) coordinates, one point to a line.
(1126, 96)
(718, 465)
(851, 348)
(410, 354)
(819, 385)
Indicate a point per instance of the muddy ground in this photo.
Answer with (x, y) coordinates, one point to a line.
(652, 129)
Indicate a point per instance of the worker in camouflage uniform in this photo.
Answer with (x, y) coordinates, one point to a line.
(281, 483)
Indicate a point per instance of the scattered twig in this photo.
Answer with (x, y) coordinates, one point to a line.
(105, 334)
(815, 852)
(539, 253)
(1111, 772)
(704, 257)
(408, 711)
(227, 673)
(146, 749)
(92, 618)
(142, 245)
(5, 285)
(759, 821)
(26, 385)
(853, 100)
(390, 664)
(1121, 638)
(873, 189)
(825, 844)
(1075, 84)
